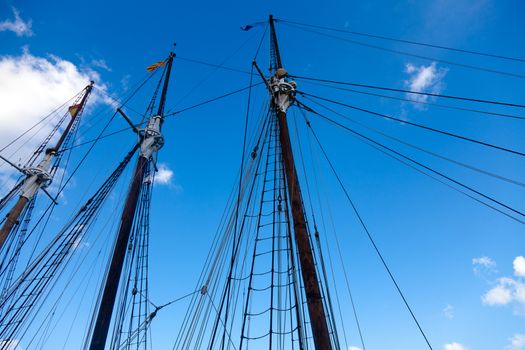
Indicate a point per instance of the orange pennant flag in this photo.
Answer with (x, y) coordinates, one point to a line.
(155, 66)
(73, 110)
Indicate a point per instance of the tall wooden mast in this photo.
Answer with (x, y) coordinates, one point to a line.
(283, 94)
(38, 178)
(150, 142)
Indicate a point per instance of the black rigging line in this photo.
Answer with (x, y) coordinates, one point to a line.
(439, 180)
(405, 53)
(468, 166)
(236, 246)
(213, 99)
(417, 125)
(412, 42)
(237, 207)
(371, 239)
(505, 115)
(415, 162)
(213, 65)
(190, 90)
(41, 121)
(461, 98)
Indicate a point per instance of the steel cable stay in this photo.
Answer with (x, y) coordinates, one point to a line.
(385, 88)
(434, 154)
(413, 42)
(138, 125)
(432, 171)
(220, 65)
(421, 126)
(318, 254)
(418, 102)
(410, 54)
(216, 261)
(369, 235)
(412, 92)
(315, 166)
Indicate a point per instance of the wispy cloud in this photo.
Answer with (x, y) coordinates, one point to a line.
(448, 311)
(483, 265)
(424, 79)
(17, 25)
(508, 291)
(517, 342)
(100, 63)
(454, 346)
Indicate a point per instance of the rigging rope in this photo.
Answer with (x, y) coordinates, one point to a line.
(464, 138)
(419, 43)
(434, 154)
(496, 114)
(371, 239)
(425, 167)
(376, 87)
(410, 54)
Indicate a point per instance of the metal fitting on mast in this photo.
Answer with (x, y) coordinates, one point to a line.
(152, 139)
(282, 90)
(37, 177)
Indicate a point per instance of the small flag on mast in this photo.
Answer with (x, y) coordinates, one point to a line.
(252, 25)
(155, 66)
(73, 110)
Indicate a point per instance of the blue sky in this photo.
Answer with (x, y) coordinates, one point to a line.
(452, 257)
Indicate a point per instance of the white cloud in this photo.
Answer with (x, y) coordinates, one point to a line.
(424, 79)
(164, 175)
(484, 261)
(517, 342)
(17, 26)
(499, 295)
(100, 63)
(519, 266)
(454, 346)
(30, 88)
(448, 311)
(483, 265)
(507, 291)
(353, 348)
